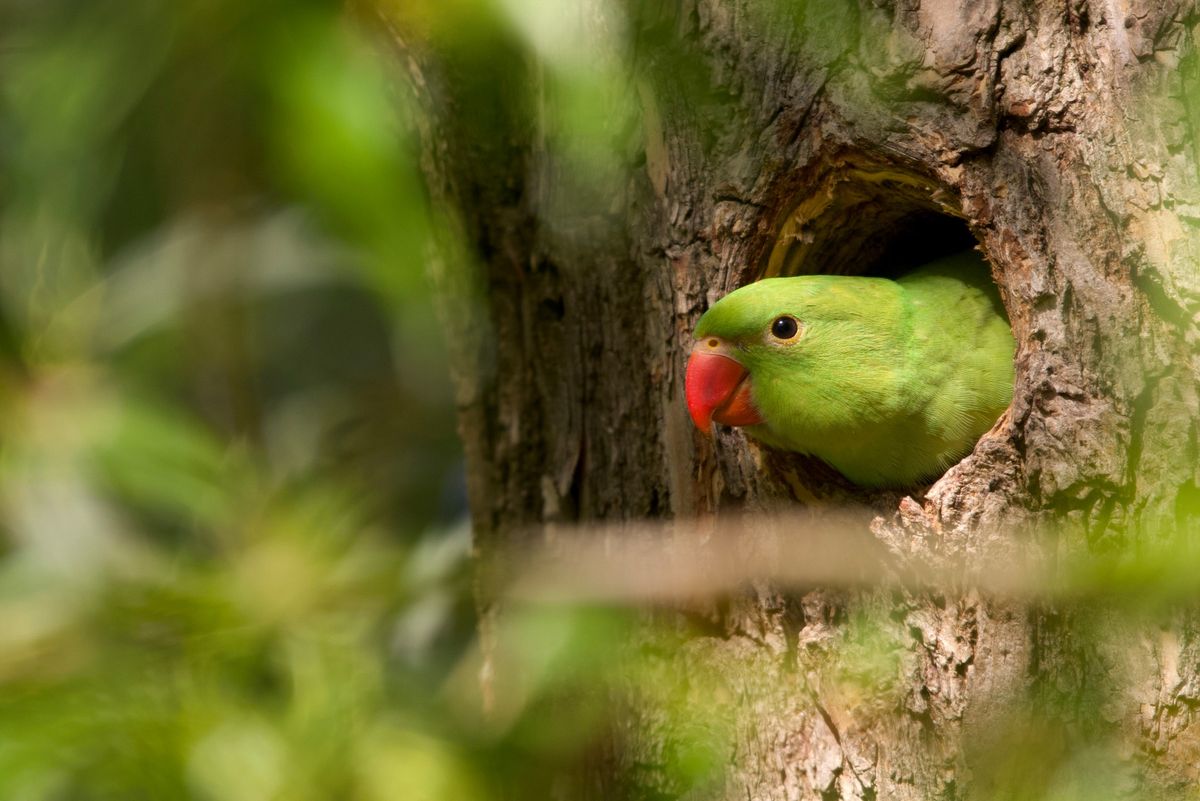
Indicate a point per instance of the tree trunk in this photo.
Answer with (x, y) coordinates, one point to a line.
(756, 139)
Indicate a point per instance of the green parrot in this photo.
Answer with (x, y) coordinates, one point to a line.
(890, 382)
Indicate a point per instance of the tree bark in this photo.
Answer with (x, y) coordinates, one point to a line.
(861, 137)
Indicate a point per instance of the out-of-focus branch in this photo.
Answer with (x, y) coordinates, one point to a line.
(647, 562)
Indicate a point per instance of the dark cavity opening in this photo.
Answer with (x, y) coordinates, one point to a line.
(867, 220)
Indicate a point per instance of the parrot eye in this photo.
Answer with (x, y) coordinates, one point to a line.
(785, 328)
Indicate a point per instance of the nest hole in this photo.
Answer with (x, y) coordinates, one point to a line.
(862, 220)
(868, 221)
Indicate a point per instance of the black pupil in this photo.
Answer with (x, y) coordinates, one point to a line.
(784, 327)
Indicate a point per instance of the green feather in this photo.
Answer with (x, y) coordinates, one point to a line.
(890, 382)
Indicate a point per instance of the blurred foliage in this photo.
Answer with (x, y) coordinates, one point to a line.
(231, 499)
(235, 548)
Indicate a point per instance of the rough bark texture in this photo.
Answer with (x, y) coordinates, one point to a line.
(855, 137)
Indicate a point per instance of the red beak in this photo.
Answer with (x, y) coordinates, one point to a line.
(718, 388)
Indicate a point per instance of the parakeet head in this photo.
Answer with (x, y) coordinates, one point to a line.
(792, 356)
